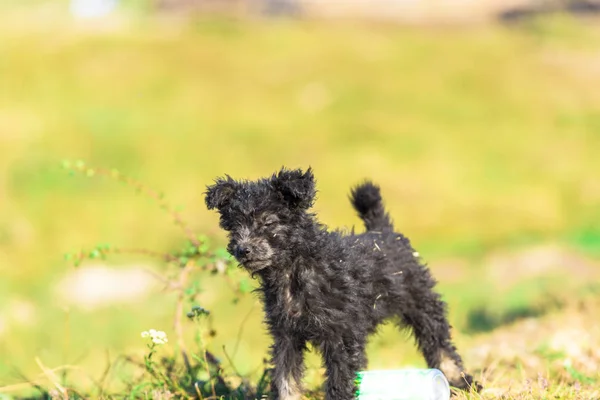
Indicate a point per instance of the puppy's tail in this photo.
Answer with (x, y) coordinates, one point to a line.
(366, 199)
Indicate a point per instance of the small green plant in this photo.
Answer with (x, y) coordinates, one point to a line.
(183, 373)
(157, 339)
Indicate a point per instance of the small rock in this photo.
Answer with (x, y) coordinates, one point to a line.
(97, 285)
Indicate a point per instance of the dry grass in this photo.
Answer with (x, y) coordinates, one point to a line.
(553, 357)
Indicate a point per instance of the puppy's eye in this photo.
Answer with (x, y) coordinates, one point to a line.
(270, 221)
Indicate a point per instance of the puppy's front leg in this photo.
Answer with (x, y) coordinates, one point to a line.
(343, 359)
(288, 359)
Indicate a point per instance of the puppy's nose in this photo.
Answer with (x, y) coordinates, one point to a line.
(241, 251)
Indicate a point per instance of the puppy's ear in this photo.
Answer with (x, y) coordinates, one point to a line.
(219, 194)
(297, 187)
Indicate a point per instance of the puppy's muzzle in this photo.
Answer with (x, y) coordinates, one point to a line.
(242, 252)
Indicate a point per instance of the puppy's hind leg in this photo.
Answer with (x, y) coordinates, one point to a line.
(427, 318)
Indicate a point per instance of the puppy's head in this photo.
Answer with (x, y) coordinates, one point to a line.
(261, 216)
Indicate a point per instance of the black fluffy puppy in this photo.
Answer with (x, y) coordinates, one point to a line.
(329, 288)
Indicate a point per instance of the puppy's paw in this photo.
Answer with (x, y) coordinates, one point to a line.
(466, 383)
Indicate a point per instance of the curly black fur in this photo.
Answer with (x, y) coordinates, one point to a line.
(329, 288)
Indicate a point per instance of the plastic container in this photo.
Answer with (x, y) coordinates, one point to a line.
(402, 384)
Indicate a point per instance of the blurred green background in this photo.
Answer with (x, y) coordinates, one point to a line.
(484, 140)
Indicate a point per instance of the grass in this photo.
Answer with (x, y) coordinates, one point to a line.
(483, 139)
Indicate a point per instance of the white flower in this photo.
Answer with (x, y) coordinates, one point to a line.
(416, 254)
(160, 337)
(157, 337)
